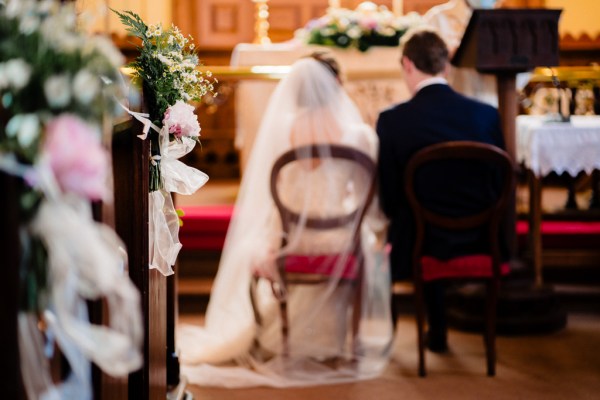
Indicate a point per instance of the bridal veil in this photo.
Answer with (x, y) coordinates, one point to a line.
(308, 106)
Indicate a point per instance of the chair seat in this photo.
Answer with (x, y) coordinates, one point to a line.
(469, 266)
(321, 265)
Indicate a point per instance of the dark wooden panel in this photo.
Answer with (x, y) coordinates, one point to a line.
(157, 334)
(172, 313)
(10, 376)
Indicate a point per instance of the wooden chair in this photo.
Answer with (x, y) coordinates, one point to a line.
(479, 266)
(297, 269)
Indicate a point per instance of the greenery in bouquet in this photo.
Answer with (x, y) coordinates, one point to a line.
(56, 87)
(366, 26)
(166, 69)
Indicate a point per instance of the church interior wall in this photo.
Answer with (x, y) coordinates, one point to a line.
(217, 26)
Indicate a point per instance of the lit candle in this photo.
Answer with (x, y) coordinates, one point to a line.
(334, 3)
(397, 7)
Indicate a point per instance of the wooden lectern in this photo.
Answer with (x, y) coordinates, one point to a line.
(505, 42)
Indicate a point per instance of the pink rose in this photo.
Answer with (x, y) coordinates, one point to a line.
(181, 120)
(76, 156)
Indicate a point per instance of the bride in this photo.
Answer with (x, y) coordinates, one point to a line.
(309, 106)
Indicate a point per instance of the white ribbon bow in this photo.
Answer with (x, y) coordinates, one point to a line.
(177, 177)
(144, 119)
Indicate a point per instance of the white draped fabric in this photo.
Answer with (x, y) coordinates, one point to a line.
(86, 261)
(231, 349)
(546, 146)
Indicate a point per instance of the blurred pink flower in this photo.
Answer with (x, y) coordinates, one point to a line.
(76, 156)
(369, 23)
(181, 120)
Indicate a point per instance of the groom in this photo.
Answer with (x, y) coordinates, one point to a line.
(434, 114)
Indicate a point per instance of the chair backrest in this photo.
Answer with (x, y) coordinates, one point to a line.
(320, 151)
(461, 151)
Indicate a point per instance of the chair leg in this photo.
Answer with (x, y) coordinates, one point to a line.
(420, 312)
(490, 329)
(284, 328)
(356, 315)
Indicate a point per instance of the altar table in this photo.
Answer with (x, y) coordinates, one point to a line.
(545, 147)
(373, 79)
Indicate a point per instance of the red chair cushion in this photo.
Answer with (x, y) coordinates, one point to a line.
(470, 266)
(321, 264)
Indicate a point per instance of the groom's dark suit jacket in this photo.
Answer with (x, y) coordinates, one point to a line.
(435, 114)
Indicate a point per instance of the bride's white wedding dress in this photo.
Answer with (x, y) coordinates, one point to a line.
(231, 349)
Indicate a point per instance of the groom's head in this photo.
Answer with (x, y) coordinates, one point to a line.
(424, 54)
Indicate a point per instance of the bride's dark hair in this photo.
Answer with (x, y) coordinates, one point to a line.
(328, 61)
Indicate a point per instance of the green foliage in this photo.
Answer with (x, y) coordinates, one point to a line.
(166, 66)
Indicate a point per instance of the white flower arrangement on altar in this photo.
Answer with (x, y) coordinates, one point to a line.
(366, 26)
(166, 70)
(54, 99)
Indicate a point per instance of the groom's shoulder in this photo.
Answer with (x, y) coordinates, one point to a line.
(395, 108)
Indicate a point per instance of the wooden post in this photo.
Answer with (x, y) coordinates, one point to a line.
(508, 108)
(131, 179)
(172, 312)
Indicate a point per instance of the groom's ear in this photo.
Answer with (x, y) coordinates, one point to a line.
(446, 71)
(407, 65)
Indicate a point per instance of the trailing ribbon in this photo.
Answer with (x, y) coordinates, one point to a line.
(179, 178)
(163, 231)
(85, 263)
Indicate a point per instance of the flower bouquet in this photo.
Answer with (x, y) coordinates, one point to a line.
(56, 90)
(366, 26)
(166, 71)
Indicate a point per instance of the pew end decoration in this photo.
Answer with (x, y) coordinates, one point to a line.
(57, 91)
(166, 71)
(366, 26)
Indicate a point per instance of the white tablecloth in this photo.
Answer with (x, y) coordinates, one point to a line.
(374, 82)
(559, 147)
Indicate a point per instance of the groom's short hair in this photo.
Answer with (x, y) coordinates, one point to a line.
(426, 49)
